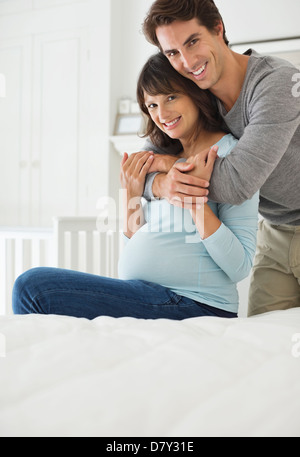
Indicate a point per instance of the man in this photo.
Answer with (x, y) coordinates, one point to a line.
(257, 99)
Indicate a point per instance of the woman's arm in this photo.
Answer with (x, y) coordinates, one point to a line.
(206, 221)
(132, 176)
(232, 246)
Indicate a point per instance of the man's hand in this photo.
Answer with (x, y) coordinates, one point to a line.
(186, 184)
(203, 163)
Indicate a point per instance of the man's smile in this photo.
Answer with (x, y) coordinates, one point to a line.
(199, 71)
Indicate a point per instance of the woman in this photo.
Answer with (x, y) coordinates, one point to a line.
(177, 263)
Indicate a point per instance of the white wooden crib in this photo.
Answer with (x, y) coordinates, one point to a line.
(72, 242)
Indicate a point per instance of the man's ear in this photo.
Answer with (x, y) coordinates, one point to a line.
(219, 29)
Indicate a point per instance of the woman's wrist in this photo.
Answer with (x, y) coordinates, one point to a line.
(206, 221)
(158, 185)
(134, 215)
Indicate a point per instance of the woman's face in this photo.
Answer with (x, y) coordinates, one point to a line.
(175, 114)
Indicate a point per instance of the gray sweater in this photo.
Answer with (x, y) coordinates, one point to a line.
(266, 120)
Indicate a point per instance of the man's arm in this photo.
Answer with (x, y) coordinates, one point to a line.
(274, 116)
(182, 182)
(183, 186)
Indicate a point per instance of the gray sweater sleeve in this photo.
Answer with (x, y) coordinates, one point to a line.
(148, 194)
(266, 119)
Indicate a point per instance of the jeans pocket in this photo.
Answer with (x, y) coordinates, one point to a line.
(158, 294)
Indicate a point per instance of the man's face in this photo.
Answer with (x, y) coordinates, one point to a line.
(194, 51)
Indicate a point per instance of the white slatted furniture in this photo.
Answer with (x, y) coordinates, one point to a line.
(73, 242)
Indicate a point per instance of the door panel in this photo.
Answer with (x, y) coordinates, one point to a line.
(57, 124)
(54, 121)
(15, 132)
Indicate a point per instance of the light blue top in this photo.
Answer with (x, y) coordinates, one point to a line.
(168, 249)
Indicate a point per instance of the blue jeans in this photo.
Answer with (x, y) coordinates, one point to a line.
(71, 293)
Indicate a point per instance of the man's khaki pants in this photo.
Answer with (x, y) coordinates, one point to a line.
(275, 282)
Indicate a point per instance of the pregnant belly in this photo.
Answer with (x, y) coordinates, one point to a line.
(169, 259)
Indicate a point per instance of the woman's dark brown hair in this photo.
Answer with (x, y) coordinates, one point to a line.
(164, 12)
(158, 77)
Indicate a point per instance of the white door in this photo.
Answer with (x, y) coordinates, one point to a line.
(58, 123)
(52, 128)
(15, 131)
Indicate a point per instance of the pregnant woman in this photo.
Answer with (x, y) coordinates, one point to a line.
(177, 263)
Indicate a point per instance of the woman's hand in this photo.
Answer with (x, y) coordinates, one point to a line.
(134, 169)
(162, 163)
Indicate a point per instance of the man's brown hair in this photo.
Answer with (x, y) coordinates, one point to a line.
(164, 12)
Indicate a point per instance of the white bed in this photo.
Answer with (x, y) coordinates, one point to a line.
(62, 376)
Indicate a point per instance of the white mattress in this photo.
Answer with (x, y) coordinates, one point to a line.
(124, 377)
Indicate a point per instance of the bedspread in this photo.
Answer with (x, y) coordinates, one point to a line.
(61, 376)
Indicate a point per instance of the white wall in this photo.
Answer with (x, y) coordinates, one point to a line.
(260, 19)
(129, 48)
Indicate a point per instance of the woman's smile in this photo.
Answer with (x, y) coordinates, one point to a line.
(172, 124)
